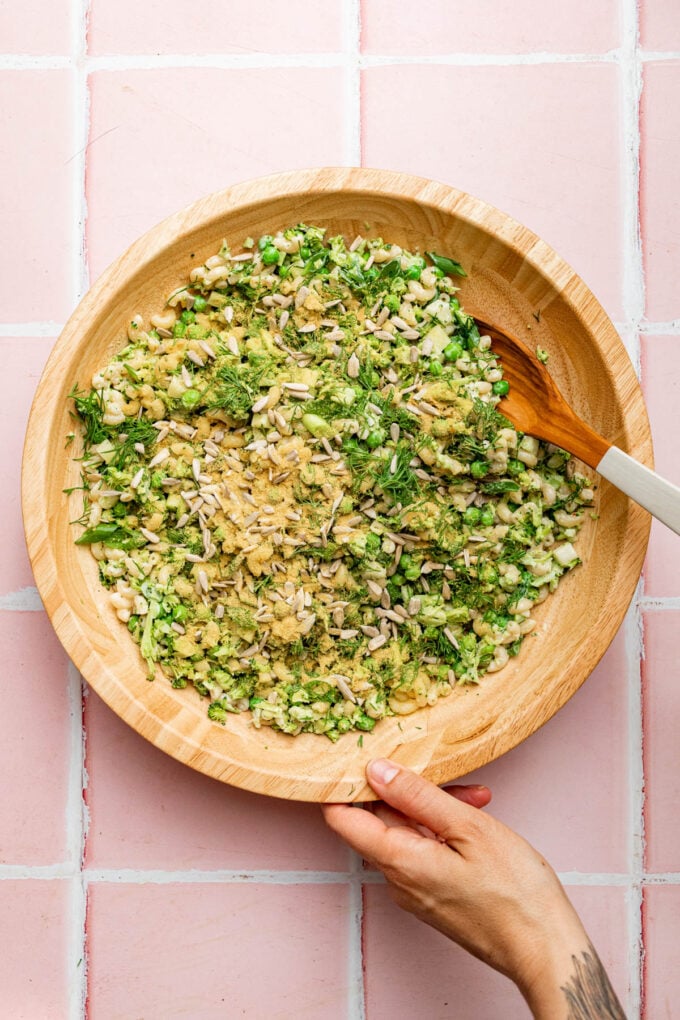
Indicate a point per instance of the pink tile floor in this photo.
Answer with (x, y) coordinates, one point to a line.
(130, 886)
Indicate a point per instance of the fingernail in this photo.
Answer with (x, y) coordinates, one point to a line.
(382, 770)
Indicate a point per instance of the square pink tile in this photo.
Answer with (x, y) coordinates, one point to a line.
(412, 971)
(30, 27)
(149, 811)
(159, 143)
(660, 356)
(570, 776)
(214, 951)
(180, 26)
(662, 747)
(527, 26)
(35, 968)
(659, 197)
(659, 25)
(24, 359)
(34, 751)
(36, 206)
(661, 914)
(529, 139)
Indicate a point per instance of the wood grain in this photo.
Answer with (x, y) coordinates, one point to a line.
(535, 404)
(512, 274)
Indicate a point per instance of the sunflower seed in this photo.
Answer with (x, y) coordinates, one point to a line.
(307, 624)
(451, 637)
(353, 367)
(369, 631)
(377, 642)
(160, 457)
(342, 683)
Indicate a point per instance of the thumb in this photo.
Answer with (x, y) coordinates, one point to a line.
(421, 800)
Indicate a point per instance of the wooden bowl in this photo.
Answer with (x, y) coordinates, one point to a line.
(512, 277)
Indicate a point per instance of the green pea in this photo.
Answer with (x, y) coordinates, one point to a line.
(392, 302)
(375, 439)
(190, 398)
(488, 516)
(453, 351)
(284, 271)
(435, 368)
(179, 329)
(515, 467)
(412, 573)
(180, 613)
(413, 273)
(305, 251)
(188, 316)
(371, 273)
(200, 304)
(501, 388)
(472, 515)
(479, 468)
(270, 255)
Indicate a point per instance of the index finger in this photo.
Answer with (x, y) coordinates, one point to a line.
(363, 830)
(421, 800)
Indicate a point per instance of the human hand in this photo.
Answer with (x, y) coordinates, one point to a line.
(468, 875)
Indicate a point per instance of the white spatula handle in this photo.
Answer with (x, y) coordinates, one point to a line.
(654, 493)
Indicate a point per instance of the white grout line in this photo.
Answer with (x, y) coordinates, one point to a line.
(76, 816)
(267, 876)
(77, 812)
(22, 601)
(634, 310)
(352, 34)
(81, 114)
(636, 795)
(227, 876)
(30, 329)
(246, 61)
(648, 603)
(356, 1002)
(660, 328)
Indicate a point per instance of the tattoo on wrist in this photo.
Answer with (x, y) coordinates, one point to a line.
(589, 993)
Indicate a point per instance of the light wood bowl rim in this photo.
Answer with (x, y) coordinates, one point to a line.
(157, 714)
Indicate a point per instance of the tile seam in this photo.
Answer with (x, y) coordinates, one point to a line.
(634, 310)
(630, 70)
(333, 58)
(77, 809)
(30, 329)
(352, 32)
(356, 1001)
(65, 871)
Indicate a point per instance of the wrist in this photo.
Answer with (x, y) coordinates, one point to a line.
(549, 965)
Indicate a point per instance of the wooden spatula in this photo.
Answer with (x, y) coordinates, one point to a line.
(535, 406)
